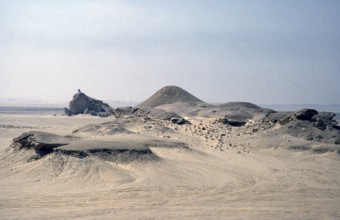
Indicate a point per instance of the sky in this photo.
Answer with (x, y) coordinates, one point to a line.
(261, 51)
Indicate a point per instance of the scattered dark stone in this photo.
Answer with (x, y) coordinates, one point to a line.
(309, 137)
(320, 150)
(124, 156)
(318, 138)
(299, 147)
(273, 117)
(285, 119)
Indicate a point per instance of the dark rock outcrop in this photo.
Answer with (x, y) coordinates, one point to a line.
(113, 151)
(83, 104)
(233, 122)
(308, 124)
(305, 114)
(40, 141)
(123, 149)
(236, 119)
(45, 143)
(123, 111)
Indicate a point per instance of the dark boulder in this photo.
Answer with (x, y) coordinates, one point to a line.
(237, 119)
(233, 122)
(305, 114)
(179, 121)
(83, 104)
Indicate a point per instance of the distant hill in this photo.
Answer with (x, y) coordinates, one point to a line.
(170, 95)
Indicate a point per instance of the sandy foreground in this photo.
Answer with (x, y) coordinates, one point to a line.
(240, 178)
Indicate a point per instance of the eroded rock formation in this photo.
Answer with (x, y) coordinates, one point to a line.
(83, 104)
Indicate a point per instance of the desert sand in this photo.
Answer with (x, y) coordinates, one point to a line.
(199, 170)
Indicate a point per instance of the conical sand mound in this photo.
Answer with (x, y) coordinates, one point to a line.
(170, 95)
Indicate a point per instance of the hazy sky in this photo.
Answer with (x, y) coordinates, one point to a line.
(259, 51)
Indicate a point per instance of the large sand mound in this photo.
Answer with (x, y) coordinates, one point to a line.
(170, 95)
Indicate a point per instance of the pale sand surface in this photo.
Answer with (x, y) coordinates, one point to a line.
(208, 180)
